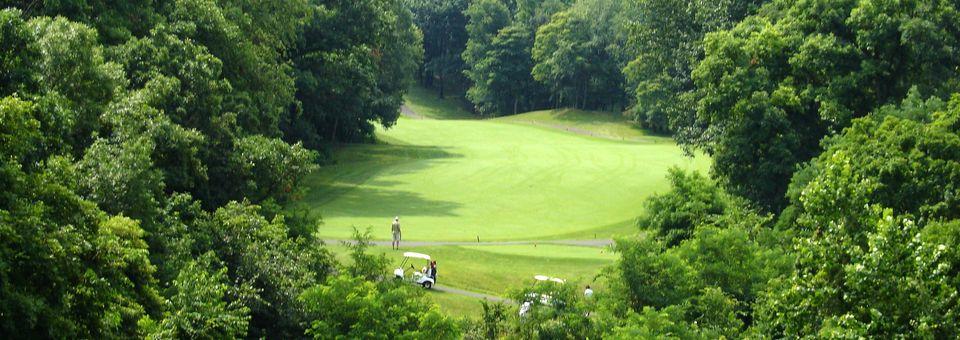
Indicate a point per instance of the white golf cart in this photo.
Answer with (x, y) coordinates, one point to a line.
(416, 276)
(543, 299)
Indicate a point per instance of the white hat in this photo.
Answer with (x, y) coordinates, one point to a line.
(397, 218)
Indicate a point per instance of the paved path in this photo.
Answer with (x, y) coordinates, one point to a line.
(582, 243)
(487, 297)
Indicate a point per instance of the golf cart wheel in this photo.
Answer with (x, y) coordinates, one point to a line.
(427, 285)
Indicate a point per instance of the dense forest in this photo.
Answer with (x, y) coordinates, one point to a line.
(148, 148)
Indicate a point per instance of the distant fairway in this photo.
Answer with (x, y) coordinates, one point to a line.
(545, 175)
(460, 179)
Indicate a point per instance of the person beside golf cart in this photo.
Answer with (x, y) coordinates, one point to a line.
(423, 277)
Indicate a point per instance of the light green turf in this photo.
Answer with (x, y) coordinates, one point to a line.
(592, 123)
(495, 270)
(551, 251)
(459, 179)
(457, 305)
(428, 104)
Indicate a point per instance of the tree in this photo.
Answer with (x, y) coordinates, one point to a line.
(347, 69)
(875, 259)
(666, 38)
(204, 305)
(504, 84)
(691, 201)
(772, 86)
(577, 57)
(270, 168)
(485, 20)
(443, 24)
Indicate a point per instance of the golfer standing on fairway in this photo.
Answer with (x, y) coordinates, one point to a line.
(395, 228)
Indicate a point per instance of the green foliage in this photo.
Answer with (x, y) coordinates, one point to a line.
(502, 80)
(557, 311)
(203, 305)
(17, 70)
(373, 61)
(67, 268)
(577, 55)
(19, 131)
(692, 200)
(358, 303)
(259, 252)
(666, 37)
(115, 116)
(270, 168)
(347, 307)
(120, 178)
(443, 25)
(363, 264)
(866, 265)
(706, 285)
(771, 87)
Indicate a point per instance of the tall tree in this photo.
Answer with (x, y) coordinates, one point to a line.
(577, 55)
(443, 24)
(667, 39)
(770, 88)
(346, 67)
(879, 215)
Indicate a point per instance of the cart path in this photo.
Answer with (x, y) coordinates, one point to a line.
(582, 243)
(407, 111)
(468, 293)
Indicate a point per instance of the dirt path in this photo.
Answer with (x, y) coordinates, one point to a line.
(582, 243)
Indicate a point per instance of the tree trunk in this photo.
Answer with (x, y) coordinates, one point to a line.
(333, 136)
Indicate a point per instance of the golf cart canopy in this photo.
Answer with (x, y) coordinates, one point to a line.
(417, 255)
(542, 278)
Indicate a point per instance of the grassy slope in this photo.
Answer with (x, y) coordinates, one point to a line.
(426, 103)
(593, 123)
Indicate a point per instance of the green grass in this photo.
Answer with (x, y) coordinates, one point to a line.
(457, 305)
(599, 124)
(459, 179)
(547, 175)
(427, 103)
(495, 270)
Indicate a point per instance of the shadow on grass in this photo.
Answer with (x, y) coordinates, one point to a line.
(355, 182)
(364, 201)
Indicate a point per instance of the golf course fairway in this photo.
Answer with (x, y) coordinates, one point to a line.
(459, 180)
(514, 184)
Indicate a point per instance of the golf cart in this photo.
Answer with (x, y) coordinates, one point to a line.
(416, 276)
(537, 298)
